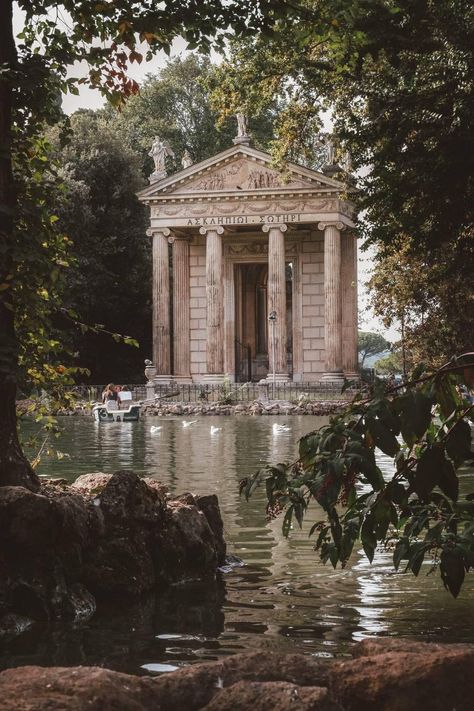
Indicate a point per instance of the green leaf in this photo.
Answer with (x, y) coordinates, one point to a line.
(401, 551)
(448, 481)
(458, 443)
(452, 570)
(368, 538)
(428, 471)
(384, 439)
(414, 409)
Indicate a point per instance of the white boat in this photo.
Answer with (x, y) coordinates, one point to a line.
(109, 411)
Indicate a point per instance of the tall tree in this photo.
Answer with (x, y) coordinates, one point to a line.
(370, 344)
(56, 35)
(109, 277)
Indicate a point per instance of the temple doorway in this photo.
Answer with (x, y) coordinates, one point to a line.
(251, 321)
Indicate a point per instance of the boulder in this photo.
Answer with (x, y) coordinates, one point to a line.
(271, 696)
(91, 484)
(209, 505)
(399, 675)
(75, 689)
(128, 501)
(184, 548)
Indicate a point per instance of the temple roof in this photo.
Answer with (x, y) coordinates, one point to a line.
(240, 170)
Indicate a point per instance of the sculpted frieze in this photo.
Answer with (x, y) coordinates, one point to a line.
(247, 207)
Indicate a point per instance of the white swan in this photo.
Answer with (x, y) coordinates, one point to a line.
(215, 430)
(154, 429)
(280, 428)
(187, 423)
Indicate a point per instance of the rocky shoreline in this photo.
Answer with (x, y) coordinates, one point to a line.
(256, 407)
(107, 536)
(253, 408)
(382, 675)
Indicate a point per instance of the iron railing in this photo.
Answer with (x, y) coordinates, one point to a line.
(224, 392)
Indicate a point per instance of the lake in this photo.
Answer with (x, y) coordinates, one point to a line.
(283, 599)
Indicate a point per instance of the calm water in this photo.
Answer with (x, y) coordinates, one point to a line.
(284, 598)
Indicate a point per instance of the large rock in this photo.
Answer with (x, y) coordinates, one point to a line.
(192, 688)
(271, 696)
(75, 689)
(399, 675)
(106, 535)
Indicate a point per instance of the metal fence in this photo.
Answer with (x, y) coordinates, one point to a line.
(224, 392)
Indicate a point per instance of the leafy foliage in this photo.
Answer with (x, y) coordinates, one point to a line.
(420, 511)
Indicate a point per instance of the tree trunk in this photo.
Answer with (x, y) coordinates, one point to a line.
(14, 467)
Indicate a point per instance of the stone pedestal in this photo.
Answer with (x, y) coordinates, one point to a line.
(276, 291)
(333, 302)
(214, 301)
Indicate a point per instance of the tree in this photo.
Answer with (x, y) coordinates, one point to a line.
(370, 344)
(397, 77)
(109, 277)
(56, 35)
(390, 364)
(419, 512)
(175, 105)
(430, 294)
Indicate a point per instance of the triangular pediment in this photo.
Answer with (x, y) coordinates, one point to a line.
(241, 170)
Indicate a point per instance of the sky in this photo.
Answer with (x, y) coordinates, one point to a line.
(92, 99)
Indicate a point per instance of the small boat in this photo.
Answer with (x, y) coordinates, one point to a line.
(106, 413)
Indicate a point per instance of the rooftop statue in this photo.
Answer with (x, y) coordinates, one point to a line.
(159, 152)
(242, 129)
(186, 160)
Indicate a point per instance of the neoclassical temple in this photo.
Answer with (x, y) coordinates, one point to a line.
(254, 274)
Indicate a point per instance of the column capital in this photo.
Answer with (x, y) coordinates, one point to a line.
(272, 226)
(218, 229)
(178, 238)
(332, 223)
(152, 231)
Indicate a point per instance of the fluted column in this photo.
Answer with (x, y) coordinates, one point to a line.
(161, 301)
(332, 300)
(276, 294)
(349, 305)
(181, 344)
(215, 300)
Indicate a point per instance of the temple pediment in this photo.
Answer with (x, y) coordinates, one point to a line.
(239, 170)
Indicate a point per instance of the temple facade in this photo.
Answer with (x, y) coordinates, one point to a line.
(254, 275)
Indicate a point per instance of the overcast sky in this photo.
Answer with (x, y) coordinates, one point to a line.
(92, 99)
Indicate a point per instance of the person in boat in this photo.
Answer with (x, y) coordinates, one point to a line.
(111, 397)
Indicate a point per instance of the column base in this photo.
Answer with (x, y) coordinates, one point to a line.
(335, 377)
(279, 378)
(182, 380)
(211, 378)
(352, 375)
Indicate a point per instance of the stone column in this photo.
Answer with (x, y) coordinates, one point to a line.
(229, 320)
(215, 302)
(333, 301)
(161, 303)
(276, 294)
(181, 345)
(350, 362)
